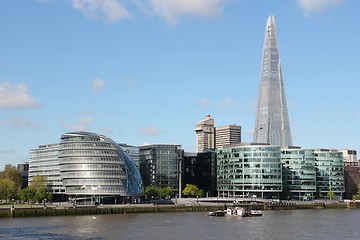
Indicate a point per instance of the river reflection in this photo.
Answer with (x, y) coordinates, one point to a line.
(279, 225)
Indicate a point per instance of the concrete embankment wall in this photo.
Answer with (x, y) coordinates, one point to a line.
(93, 210)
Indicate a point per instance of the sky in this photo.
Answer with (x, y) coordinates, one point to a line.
(146, 71)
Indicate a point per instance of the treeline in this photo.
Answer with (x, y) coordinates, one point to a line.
(190, 190)
(11, 189)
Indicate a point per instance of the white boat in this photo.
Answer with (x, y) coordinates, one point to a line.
(242, 212)
(236, 212)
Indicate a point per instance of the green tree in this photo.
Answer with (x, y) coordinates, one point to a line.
(200, 193)
(190, 190)
(27, 195)
(38, 191)
(330, 195)
(152, 192)
(166, 192)
(357, 195)
(11, 172)
(8, 189)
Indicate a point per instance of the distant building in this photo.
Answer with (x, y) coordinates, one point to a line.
(249, 170)
(23, 168)
(350, 157)
(200, 170)
(226, 135)
(205, 134)
(352, 180)
(160, 165)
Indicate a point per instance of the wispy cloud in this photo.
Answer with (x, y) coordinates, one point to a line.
(150, 131)
(16, 122)
(111, 10)
(97, 85)
(82, 124)
(227, 102)
(172, 10)
(169, 10)
(204, 102)
(313, 6)
(16, 96)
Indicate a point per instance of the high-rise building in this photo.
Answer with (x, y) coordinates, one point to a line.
(160, 165)
(272, 121)
(226, 135)
(205, 134)
(200, 170)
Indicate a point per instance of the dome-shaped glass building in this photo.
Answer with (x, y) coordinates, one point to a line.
(94, 167)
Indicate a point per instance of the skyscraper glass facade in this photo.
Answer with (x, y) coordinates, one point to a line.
(272, 121)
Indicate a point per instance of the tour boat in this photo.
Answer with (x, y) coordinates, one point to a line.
(242, 212)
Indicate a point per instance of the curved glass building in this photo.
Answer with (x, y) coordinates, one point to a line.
(93, 166)
(245, 170)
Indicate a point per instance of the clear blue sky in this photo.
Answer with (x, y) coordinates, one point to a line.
(145, 71)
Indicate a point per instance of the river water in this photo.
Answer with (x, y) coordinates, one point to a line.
(328, 224)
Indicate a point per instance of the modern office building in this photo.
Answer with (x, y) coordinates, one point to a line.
(44, 161)
(88, 168)
(329, 172)
(133, 151)
(200, 170)
(226, 135)
(272, 122)
(299, 173)
(160, 165)
(249, 170)
(205, 134)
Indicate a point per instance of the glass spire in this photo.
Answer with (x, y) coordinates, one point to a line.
(272, 120)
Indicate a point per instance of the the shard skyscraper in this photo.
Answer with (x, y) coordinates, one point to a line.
(272, 120)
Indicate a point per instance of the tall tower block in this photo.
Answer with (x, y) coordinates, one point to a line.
(272, 120)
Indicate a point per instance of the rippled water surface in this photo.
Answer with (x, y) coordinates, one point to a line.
(279, 225)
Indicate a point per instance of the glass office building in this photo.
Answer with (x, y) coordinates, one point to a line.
(299, 173)
(95, 168)
(160, 164)
(329, 172)
(249, 170)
